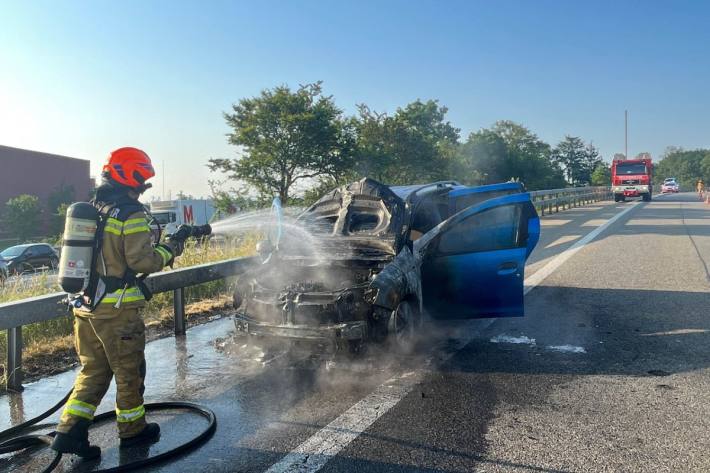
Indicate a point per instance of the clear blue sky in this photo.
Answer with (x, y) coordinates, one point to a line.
(82, 78)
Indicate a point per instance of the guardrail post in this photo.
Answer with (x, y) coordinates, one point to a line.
(179, 310)
(14, 359)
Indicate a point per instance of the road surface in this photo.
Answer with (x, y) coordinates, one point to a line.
(608, 371)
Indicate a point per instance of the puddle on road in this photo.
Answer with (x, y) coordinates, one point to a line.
(508, 339)
(566, 348)
(178, 368)
(523, 340)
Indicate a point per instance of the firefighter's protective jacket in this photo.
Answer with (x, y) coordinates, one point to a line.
(127, 247)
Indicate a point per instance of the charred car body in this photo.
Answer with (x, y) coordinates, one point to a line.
(371, 259)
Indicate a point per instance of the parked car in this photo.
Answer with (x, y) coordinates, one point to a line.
(29, 257)
(669, 187)
(374, 258)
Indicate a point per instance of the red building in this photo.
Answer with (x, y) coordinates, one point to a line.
(41, 174)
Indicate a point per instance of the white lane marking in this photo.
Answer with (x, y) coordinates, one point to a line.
(540, 275)
(508, 339)
(562, 240)
(595, 222)
(567, 348)
(316, 451)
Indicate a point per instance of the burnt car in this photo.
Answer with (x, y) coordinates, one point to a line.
(367, 260)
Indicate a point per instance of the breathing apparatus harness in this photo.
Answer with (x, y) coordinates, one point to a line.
(87, 294)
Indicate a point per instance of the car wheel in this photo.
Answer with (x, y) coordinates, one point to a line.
(403, 326)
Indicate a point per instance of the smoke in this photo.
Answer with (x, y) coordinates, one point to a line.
(307, 257)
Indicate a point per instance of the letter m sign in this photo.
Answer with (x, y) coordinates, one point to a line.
(187, 214)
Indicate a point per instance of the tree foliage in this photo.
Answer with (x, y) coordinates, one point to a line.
(686, 166)
(285, 137)
(601, 176)
(414, 145)
(578, 161)
(509, 151)
(22, 216)
(232, 200)
(57, 203)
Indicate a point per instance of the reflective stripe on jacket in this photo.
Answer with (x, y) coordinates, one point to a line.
(126, 245)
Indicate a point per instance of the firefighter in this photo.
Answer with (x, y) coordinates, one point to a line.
(109, 333)
(700, 186)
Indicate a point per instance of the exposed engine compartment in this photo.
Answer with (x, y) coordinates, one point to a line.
(326, 285)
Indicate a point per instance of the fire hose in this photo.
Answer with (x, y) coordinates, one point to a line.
(27, 441)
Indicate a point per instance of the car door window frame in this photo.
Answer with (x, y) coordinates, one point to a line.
(485, 192)
(518, 231)
(428, 244)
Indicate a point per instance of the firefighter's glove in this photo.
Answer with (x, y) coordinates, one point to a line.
(176, 246)
(164, 248)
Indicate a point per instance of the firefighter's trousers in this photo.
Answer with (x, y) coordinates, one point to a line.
(107, 348)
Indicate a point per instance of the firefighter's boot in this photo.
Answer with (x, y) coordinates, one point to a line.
(149, 434)
(76, 441)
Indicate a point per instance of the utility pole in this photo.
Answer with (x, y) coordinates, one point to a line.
(163, 192)
(626, 134)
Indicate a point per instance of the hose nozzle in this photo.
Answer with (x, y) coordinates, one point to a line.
(190, 231)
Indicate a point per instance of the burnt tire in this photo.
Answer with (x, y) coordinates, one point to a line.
(403, 326)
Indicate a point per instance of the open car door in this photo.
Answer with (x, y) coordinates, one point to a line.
(473, 264)
(464, 197)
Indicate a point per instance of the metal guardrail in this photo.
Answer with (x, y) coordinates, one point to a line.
(13, 315)
(548, 200)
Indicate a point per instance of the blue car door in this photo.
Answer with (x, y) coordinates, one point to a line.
(474, 266)
(464, 197)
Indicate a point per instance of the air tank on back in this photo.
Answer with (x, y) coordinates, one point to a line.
(78, 243)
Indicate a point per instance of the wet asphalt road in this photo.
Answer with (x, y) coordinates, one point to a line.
(608, 371)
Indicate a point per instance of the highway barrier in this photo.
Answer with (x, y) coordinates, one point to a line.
(13, 315)
(548, 201)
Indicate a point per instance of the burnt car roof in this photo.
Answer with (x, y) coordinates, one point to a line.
(365, 208)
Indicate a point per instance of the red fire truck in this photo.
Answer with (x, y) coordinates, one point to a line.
(632, 178)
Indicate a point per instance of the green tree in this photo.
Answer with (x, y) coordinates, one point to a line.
(687, 166)
(22, 216)
(58, 218)
(59, 199)
(510, 151)
(416, 144)
(577, 160)
(285, 137)
(230, 201)
(601, 176)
